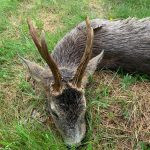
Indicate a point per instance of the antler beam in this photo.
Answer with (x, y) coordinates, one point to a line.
(86, 56)
(43, 50)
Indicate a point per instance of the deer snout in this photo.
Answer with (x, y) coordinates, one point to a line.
(75, 135)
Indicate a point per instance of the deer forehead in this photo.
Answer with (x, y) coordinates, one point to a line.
(70, 99)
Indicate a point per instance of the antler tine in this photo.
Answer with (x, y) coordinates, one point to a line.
(51, 63)
(86, 56)
(43, 50)
(34, 36)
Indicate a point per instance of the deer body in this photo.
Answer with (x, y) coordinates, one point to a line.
(126, 44)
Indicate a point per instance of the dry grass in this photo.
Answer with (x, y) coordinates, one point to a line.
(96, 8)
(124, 121)
(51, 21)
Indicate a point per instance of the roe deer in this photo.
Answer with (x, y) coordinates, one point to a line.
(64, 80)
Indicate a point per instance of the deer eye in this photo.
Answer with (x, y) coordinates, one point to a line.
(54, 114)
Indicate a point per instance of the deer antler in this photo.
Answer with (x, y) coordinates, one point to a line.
(86, 56)
(43, 50)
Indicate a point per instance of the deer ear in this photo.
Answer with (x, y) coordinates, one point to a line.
(35, 70)
(92, 66)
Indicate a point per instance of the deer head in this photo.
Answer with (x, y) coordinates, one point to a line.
(65, 96)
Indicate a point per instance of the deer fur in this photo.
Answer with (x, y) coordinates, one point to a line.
(126, 44)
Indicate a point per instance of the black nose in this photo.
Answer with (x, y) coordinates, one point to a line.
(70, 147)
(74, 147)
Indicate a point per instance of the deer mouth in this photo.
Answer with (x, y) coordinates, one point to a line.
(76, 141)
(75, 136)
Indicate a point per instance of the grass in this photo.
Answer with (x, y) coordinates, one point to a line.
(118, 107)
(126, 8)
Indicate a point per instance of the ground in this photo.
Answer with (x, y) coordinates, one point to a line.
(118, 103)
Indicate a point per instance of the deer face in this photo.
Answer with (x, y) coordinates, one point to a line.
(65, 96)
(68, 112)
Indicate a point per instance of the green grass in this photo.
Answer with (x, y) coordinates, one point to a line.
(126, 8)
(17, 96)
(127, 80)
(29, 136)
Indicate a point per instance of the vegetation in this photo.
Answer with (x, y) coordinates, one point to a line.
(126, 8)
(118, 104)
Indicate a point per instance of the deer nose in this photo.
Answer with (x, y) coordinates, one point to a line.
(76, 147)
(75, 135)
(74, 140)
